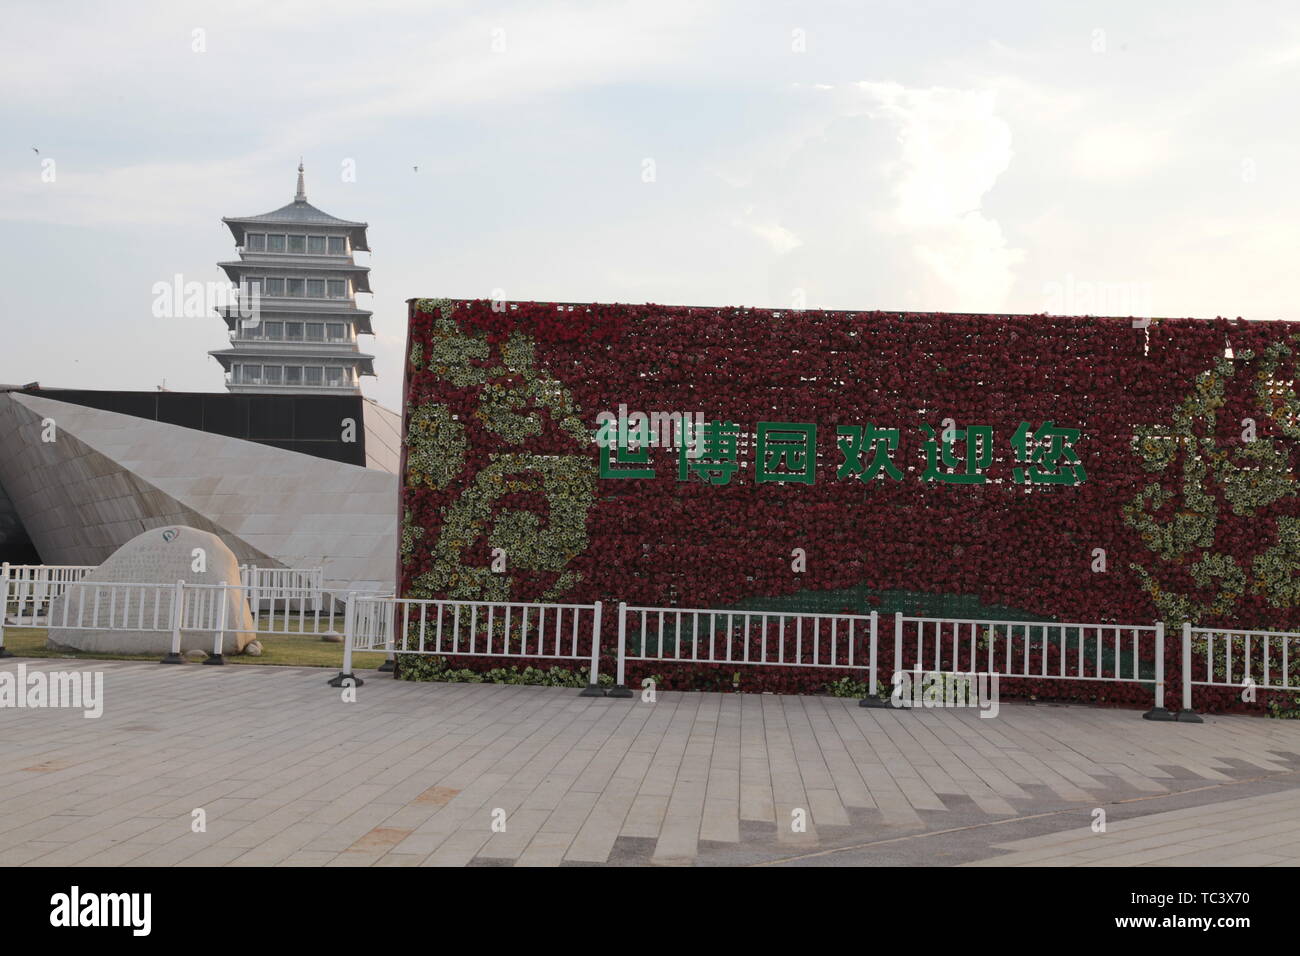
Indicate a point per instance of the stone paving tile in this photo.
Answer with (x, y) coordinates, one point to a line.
(1261, 829)
(411, 774)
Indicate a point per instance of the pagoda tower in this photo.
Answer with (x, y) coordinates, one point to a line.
(294, 328)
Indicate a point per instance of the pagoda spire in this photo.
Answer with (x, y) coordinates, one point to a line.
(301, 195)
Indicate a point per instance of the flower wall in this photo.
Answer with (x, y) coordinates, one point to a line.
(1179, 502)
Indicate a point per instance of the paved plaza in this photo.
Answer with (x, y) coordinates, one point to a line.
(288, 773)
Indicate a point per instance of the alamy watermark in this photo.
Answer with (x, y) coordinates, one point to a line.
(675, 430)
(917, 688)
(75, 909)
(179, 299)
(1082, 297)
(82, 690)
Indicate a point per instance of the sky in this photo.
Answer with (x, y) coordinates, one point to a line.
(1073, 158)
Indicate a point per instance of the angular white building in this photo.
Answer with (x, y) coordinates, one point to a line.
(269, 474)
(297, 272)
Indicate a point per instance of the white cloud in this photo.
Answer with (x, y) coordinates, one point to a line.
(885, 199)
(1119, 151)
(781, 240)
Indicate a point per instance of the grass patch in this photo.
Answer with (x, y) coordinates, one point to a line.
(285, 650)
(422, 667)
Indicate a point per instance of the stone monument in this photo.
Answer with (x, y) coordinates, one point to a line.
(161, 556)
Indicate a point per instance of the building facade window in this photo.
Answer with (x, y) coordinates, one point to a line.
(315, 332)
(293, 331)
(273, 374)
(274, 330)
(338, 332)
(297, 243)
(293, 375)
(312, 375)
(338, 246)
(333, 375)
(310, 288)
(255, 241)
(275, 243)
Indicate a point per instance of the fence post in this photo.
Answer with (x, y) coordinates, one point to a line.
(1159, 712)
(219, 642)
(1187, 715)
(593, 688)
(389, 666)
(873, 698)
(345, 677)
(4, 606)
(898, 641)
(620, 688)
(1160, 665)
(178, 609)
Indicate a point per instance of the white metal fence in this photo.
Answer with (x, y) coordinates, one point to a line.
(1033, 649)
(505, 629)
(774, 638)
(33, 586)
(268, 585)
(176, 608)
(85, 606)
(268, 602)
(1265, 660)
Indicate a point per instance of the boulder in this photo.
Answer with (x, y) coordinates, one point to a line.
(161, 556)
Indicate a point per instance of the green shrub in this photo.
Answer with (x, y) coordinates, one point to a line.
(422, 667)
(850, 687)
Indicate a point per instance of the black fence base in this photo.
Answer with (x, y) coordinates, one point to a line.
(340, 679)
(620, 691)
(216, 659)
(592, 690)
(388, 667)
(172, 659)
(5, 653)
(878, 702)
(1189, 717)
(1160, 713)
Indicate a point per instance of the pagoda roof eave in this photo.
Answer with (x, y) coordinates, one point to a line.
(298, 215)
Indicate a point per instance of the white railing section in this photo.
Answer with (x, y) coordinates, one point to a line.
(91, 606)
(1268, 660)
(1033, 649)
(267, 602)
(372, 622)
(509, 629)
(491, 628)
(178, 608)
(775, 638)
(275, 584)
(1024, 648)
(33, 586)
